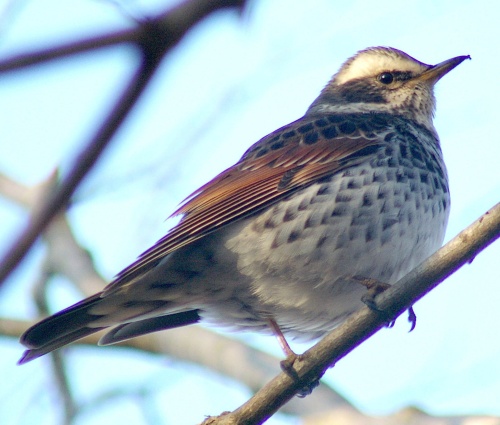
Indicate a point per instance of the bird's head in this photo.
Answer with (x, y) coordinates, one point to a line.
(384, 79)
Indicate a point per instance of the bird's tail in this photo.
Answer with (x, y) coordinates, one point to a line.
(60, 329)
(85, 318)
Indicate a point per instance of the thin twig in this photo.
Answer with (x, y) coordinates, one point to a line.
(23, 60)
(194, 10)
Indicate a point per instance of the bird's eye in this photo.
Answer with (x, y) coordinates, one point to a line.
(386, 78)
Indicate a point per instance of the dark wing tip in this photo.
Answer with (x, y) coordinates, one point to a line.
(146, 326)
(59, 330)
(27, 356)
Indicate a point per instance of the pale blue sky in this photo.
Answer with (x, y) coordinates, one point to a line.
(229, 83)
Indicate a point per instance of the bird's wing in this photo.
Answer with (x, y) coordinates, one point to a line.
(279, 164)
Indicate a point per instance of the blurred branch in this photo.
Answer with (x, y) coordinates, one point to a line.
(321, 408)
(38, 57)
(310, 367)
(57, 360)
(156, 37)
(407, 416)
(221, 354)
(173, 23)
(28, 197)
(226, 356)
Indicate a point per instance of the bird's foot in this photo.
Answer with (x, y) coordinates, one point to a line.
(375, 288)
(287, 365)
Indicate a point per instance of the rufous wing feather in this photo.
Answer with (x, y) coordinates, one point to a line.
(276, 166)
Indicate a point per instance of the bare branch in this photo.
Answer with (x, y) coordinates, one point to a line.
(26, 196)
(229, 357)
(24, 60)
(311, 366)
(63, 384)
(157, 37)
(179, 19)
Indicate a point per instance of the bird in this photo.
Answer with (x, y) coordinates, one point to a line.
(285, 241)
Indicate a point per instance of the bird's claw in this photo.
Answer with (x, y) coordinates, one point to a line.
(287, 364)
(287, 367)
(375, 288)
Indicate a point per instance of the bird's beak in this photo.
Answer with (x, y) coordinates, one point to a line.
(434, 73)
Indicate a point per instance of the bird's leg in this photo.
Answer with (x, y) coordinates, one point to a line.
(286, 364)
(375, 287)
(291, 357)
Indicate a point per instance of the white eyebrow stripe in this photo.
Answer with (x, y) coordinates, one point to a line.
(371, 63)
